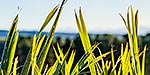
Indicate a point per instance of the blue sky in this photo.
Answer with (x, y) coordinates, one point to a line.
(101, 16)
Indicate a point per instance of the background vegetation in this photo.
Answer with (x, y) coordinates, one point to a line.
(106, 42)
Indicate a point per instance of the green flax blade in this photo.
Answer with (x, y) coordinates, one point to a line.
(8, 42)
(85, 38)
(28, 62)
(39, 46)
(12, 53)
(135, 40)
(80, 64)
(47, 20)
(70, 62)
(85, 33)
(43, 54)
(15, 66)
(95, 60)
(113, 60)
(81, 32)
(30, 58)
(143, 61)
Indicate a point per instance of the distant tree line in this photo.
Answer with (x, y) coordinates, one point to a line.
(106, 41)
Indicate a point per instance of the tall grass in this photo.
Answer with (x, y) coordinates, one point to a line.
(130, 56)
(128, 62)
(132, 27)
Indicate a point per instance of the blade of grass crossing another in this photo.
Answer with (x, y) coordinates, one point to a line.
(9, 39)
(56, 54)
(85, 39)
(108, 64)
(103, 70)
(52, 69)
(113, 71)
(131, 43)
(39, 46)
(15, 66)
(60, 51)
(27, 64)
(43, 54)
(70, 63)
(47, 20)
(32, 55)
(135, 39)
(30, 58)
(95, 60)
(87, 42)
(65, 69)
(36, 69)
(136, 50)
(55, 69)
(80, 64)
(45, 70)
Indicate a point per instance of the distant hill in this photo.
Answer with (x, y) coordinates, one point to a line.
(3, 33)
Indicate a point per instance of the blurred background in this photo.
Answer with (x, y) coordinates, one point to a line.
(107, 41)
(102, 20)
